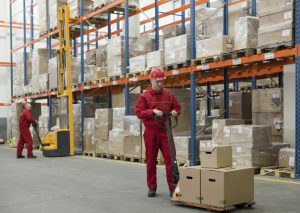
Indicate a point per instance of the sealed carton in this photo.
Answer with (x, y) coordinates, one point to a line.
(216, 157)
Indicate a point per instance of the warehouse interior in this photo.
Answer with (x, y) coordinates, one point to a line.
(76, 82)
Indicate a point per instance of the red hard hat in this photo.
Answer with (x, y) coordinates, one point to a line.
(157, 74)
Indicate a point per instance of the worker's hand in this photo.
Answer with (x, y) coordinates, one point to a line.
(174, 113)
(157, 112)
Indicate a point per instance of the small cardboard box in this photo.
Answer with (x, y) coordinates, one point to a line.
(287, 158)
(227, 186)
(190, 182)
(216, 157)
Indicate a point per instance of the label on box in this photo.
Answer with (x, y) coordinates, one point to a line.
(286, 33)
(226, 132)
(204, 66)
(287, 15)
(175, 72)
(269, 56)
(230, 102)
(239, 149)
(236, 61)
(275, 95)
(215, 125)
(291, 161)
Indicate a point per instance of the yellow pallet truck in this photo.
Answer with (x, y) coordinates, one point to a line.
(61, 142)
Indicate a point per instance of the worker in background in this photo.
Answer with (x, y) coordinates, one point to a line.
(155, 102)
(25, 136)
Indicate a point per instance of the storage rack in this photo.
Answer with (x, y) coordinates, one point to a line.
(223, 71)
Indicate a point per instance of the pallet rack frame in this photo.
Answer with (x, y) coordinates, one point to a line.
(195, 72)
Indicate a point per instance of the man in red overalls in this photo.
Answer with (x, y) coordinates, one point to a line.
(25, 135)
(155, 102)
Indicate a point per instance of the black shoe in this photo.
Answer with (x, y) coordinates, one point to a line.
(31, 156)
(20, 156)
(151, 193)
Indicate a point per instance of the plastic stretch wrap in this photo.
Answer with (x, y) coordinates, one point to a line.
(171, 31)
(118, 100)
(52, 71)
(54, 5)
(177, 49)
(207, 143)
(218, 128)
(132, 126)
(248, 135)
(246, 33)
(91, 57)
(138, 63)
(267, 100)
(203, 118)
(118, 118)
(89, 135)
(98, 72)
(184, 148)
(115, 145)
(101, 146)
(287, 158)
(103, 123)
(101, 56)
(276, 34)
(156, 58)
(74, 5)
(137, 46)
(77, 127)
(132, 146)
(265, 7)
(42, 14)
(214, 46)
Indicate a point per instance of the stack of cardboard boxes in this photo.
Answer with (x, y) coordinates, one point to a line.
(103, 124)
(276, 21)
(116, 135)
(267, 108)
(132, 146)
(216, 183)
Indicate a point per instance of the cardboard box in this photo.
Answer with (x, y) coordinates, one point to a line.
(190, 184)
(156, 58)
(227, 186)
(218, 128)
(177, 49)
(138, 63)
(216, 157)
(287, 158)
(132, 146)
(267, 100)
(276, 18)
(270, 6)
(214, 46)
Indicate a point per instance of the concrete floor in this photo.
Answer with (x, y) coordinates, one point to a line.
(93, 185)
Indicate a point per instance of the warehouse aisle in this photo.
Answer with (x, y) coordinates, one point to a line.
(90, 185)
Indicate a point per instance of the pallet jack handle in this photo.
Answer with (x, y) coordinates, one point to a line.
(168, 127)
(35, 126)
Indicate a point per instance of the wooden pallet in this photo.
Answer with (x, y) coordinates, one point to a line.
(277, 172)
(275, 47)
(112, 156)
(243, 53)
(175, 200)
(89, 154)
(132, 159)
(134, 74)
(209, 59)
(114, 78)
(186, 63)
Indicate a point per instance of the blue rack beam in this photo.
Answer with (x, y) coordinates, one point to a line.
(226, 81)
(109, 37)
(297, 128)
(11, 54)
(253, 79)
(31, 25)
(127, 92)
(25, 40)
(183, 18)
(193, 83)
(236, 86)
(82, 75)
(156, 26)
(208, 99)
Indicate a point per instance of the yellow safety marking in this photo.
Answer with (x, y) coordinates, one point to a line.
(278, 181)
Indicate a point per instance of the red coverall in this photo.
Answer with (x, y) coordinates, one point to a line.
(155, 137)
(25, 135)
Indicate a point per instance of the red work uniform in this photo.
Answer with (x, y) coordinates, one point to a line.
(155, 137)
(25, 135)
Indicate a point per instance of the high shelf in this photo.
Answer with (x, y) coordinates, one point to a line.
(232, 70)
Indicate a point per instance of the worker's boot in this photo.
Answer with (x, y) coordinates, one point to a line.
(20, 156)
(31, 156)
(151, 193)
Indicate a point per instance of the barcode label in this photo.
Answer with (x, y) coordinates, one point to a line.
(269, 56)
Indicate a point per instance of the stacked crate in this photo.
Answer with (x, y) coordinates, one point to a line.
(103, 124)
(116, 135)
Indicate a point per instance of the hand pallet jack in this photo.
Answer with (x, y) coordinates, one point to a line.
(175, 199)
